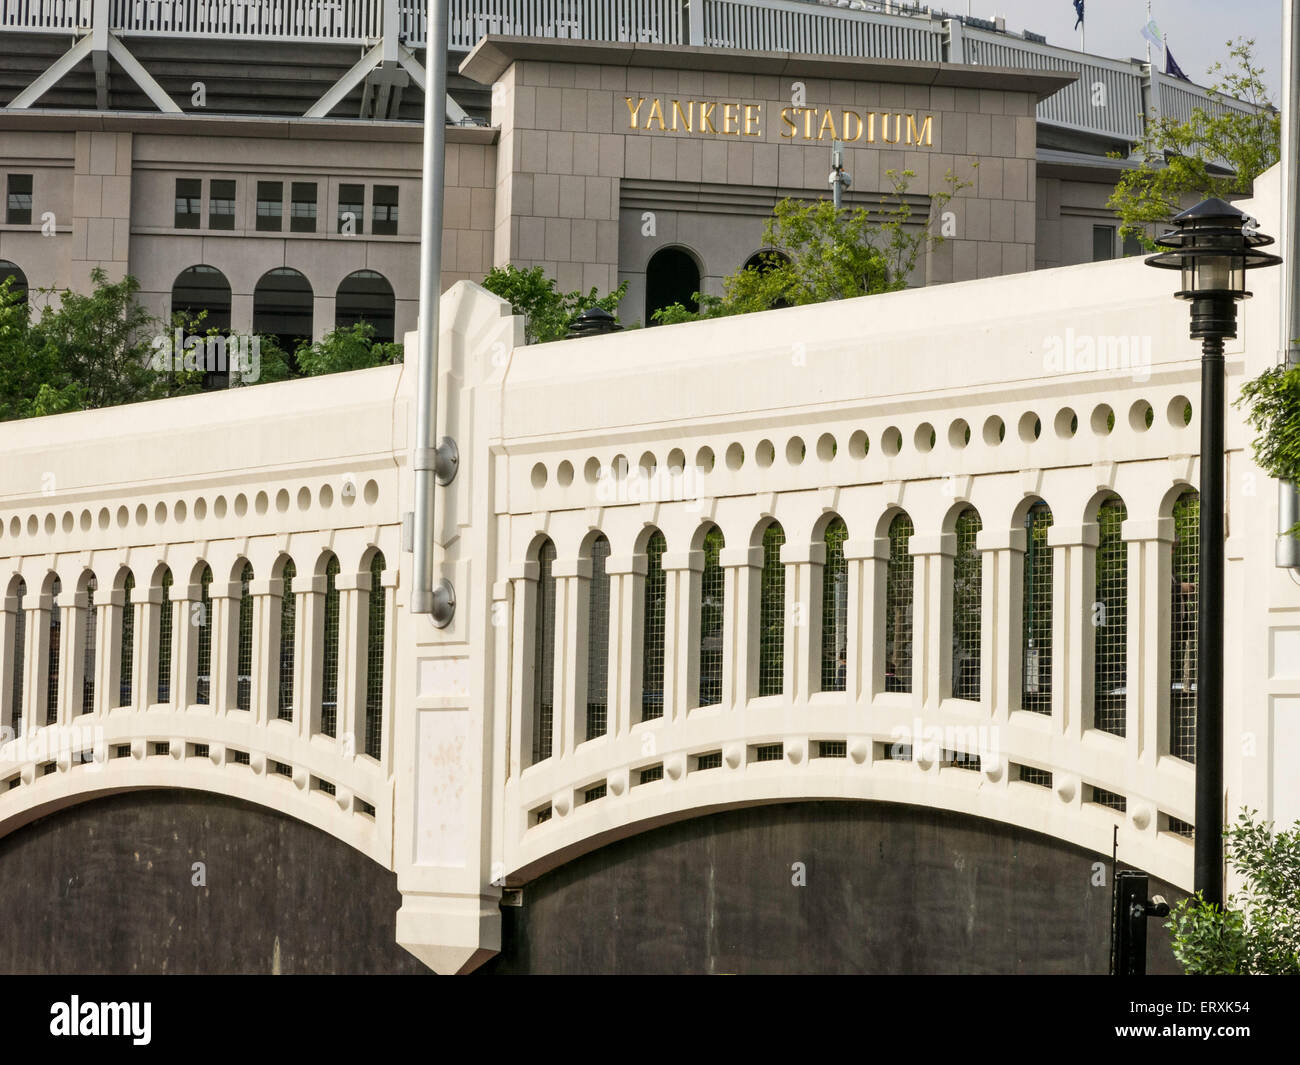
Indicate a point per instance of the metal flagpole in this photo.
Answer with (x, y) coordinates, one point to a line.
(1148, 40)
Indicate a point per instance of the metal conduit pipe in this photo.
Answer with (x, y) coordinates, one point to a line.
(430, 463)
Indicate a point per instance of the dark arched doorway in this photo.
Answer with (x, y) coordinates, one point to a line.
(365, 296)
(282, 308)
(200, 289)
(671, 276)
(18, 287)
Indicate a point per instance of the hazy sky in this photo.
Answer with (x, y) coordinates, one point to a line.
(1197, 29)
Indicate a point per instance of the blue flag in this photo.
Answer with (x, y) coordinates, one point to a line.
(1172, 68)
(1078, 7)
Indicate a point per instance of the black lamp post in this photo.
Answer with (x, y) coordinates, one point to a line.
(1214, 245)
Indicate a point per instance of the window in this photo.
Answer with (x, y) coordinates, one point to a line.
(20, 647)
(709, 760)
(1110, 621)
(671, 276)
(366, 296)
(329, 685)
(244, 646)
(898, 607)
(771, 620)
(544, 654)
(18, 207)
(89, 629)
(189, 200)
(127, 649)
(652, 634)
(270, 205)
(1110, 799)
(1038, 777)
(302, 207)
(352, 209)
(165, 640)
(649, 776)
(374, 723)
(713, 593)
(835, 609)
(1183, 617)
(1036, 617)
(288, 623)
(221, 204)
(967, 615)
(769, 752)
(598, 642)
(1103, 243)
(385, 210)
(594, 793)
(282, 307)
(203, 671)
(1132, 246)
(832, 749)
(52, 659)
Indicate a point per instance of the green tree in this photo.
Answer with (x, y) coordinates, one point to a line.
(1258, 933)
(1176, 157)
(818, 253)
(547, 311)
(351, 347)
(1272, 402)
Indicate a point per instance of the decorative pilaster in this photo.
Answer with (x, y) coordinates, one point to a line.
(743, 567)
(1002, 671)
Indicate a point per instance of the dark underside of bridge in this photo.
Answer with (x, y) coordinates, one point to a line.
(109, 887)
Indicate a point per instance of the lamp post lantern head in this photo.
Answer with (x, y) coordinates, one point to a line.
(1214, 245)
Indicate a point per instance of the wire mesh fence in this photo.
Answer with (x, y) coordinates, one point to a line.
(898, 607)
(598, 641)
(967, 604)
(1036, 618)
(835, 609)
(544, 654)
(713, 591)
(1183, 622)
(771, 622)
(653, 632)
(1110, 621)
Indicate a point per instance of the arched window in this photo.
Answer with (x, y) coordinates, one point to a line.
(713, 593)
(967, 612)
(771, 619)
(1183, 608)
(165, 639)
(1036, 618)
(544, 654)
(375, 659)
(898, 607)
(766, 259)
(89, 628)
(329, 685)
(203, 665)
(18, 286)
(282, 307)
(652, 634)
(20, 648)
(52, 660)
(244, 646)
(1110, 621)
(598, 642)
(202, 290)
(365, 296)
(288, 629)
(671, 276)
(127, 649)
(835, 609)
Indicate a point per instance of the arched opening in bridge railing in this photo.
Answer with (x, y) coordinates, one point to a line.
(202, 624)
(1036, 614)
(541, 715)
(834, 608)
(1183, 618)
(87, 629)
(771, 621)
(898, 606)
(166, 622)
(653, 630)
(375, 627)
(713, 602)
(329, 681)
(53, 653)
(244, 644)
(966, 603)
(597, 698)
(17, 594)
(1110, 621)
(126, 643)
(288, 634)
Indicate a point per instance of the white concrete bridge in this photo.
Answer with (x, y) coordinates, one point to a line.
(864, 562)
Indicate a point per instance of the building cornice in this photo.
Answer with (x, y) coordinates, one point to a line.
(48, 120)
(494, 54)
